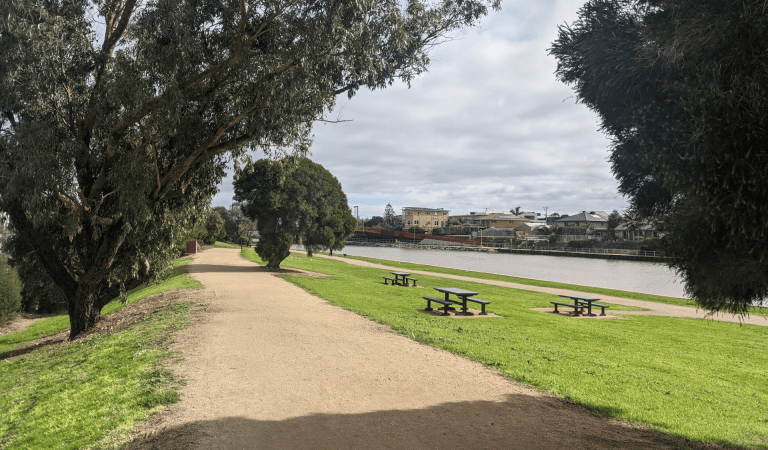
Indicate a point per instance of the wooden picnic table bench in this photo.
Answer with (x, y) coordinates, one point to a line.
(482, 304)
(577, 309)
(465, 296)
(446, 304)
(591, 304)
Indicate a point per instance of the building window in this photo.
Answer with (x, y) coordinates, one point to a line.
(409, 213)
(415, 222)
(445, 213)
(429, 213)
(408, 222)
(436, 222)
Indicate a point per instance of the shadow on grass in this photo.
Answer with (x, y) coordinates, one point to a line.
(220, 268)
(519, 422)
(45, 341)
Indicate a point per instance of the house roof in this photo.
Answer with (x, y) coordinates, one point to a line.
(416, 208)
(502, 216)
(583, 217)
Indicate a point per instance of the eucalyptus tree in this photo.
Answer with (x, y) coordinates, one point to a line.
(117, 117)
(293, 197)
(389, 215)
(682, 89)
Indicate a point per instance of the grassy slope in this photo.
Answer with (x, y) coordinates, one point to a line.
(531, 282)
(44, 327)
(93, 391)
(702, 380)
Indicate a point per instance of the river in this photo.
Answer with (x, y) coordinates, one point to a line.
(635, 276)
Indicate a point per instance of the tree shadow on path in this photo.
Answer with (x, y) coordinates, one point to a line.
(519, 422)
(223, 268)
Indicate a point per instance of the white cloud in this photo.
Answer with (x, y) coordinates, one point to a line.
(488, 127)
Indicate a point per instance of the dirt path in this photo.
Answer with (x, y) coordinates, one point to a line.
(273, 367)
(655, 309)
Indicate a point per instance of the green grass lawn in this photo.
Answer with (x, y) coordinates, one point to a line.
(219, 244)
(697, 379)
(90, 394)
(552, 284)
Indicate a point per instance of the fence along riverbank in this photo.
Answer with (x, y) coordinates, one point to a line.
(598, 253)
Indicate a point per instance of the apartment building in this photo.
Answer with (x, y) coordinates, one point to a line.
(425, 218)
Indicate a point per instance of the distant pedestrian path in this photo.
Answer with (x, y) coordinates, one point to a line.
(654, 309)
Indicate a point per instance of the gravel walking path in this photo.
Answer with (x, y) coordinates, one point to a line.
(270, 366)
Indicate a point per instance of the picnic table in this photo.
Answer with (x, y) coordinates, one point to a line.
(401, 278)
(579, 303)
(464, 296)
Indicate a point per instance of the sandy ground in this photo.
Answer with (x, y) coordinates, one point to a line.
(21, 322)
(655, 309)
(269, 366)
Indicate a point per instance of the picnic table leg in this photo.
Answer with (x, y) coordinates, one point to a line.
(448, 308)
(576, 310)
(464, 311)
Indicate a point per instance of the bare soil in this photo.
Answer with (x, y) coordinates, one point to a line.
(269, 366)
(20, 323)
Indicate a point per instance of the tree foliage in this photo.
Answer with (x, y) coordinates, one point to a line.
(293, 197)
(682, 89)
(389, 215)
(614, 220)
(214, 228)
(375, 221)
(236, 224)
(117, 117)
(10, 291)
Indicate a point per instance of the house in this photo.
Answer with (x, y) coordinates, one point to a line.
(584, 219)
(531, 228)
(638, 233)
(552, 218)
(425, 218)
(531, 216)
(495, 220)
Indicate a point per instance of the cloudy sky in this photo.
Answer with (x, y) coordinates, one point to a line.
(488, 127)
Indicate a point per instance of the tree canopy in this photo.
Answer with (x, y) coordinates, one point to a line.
(117, 117)
(680, 86)
(293, 197)
(389, 215)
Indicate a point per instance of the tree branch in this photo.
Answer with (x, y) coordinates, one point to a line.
(111, 38)
(42, 244)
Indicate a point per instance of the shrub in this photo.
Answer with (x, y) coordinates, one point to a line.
(10, 291)
(583, 243)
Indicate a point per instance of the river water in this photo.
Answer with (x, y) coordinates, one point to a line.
(635, 276)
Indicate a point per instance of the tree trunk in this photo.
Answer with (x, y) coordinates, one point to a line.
(84, 310)
(85, 306)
